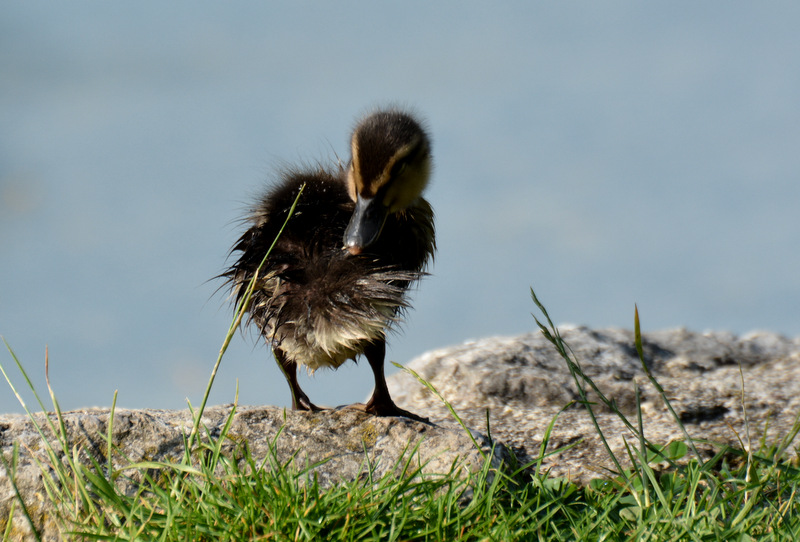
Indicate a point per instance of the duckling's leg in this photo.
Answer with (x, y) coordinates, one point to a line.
(300, 400)
(381, 403)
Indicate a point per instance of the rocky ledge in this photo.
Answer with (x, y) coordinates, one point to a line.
(521, 381)
(711, 379)
(344, 444)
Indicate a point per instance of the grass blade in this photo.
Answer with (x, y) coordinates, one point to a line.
(241, 309)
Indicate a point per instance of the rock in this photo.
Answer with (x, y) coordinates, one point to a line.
(521, 381)
(340, 438)
(524, 383)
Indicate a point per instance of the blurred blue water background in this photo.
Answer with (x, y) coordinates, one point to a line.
(604, 153)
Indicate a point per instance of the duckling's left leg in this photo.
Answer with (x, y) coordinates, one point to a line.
(381, 403)
(300, 400)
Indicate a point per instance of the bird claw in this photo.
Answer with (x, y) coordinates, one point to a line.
(384, 410)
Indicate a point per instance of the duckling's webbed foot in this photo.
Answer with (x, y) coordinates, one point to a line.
(381, 404)
(392, 409)
(300, 400)
(305, 404)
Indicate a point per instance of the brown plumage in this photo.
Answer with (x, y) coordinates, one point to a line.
(337, 276)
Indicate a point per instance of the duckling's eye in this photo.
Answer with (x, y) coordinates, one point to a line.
(398, 168)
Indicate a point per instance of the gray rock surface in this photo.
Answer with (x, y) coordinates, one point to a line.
(344, 439)
(524, 383)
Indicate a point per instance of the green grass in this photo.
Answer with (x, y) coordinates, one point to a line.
(211, 495)
(214, 495)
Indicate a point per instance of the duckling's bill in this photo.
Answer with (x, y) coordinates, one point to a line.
(365, 225)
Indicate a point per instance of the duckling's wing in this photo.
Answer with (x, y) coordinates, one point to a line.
(319, 217)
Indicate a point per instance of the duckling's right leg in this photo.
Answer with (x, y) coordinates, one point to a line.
(300, 400)
(381, 403)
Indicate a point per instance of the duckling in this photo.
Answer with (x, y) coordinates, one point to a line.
(336, 279)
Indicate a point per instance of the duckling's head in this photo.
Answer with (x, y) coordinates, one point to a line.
(390, 168)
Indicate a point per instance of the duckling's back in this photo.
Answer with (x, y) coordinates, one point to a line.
(314, 300)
